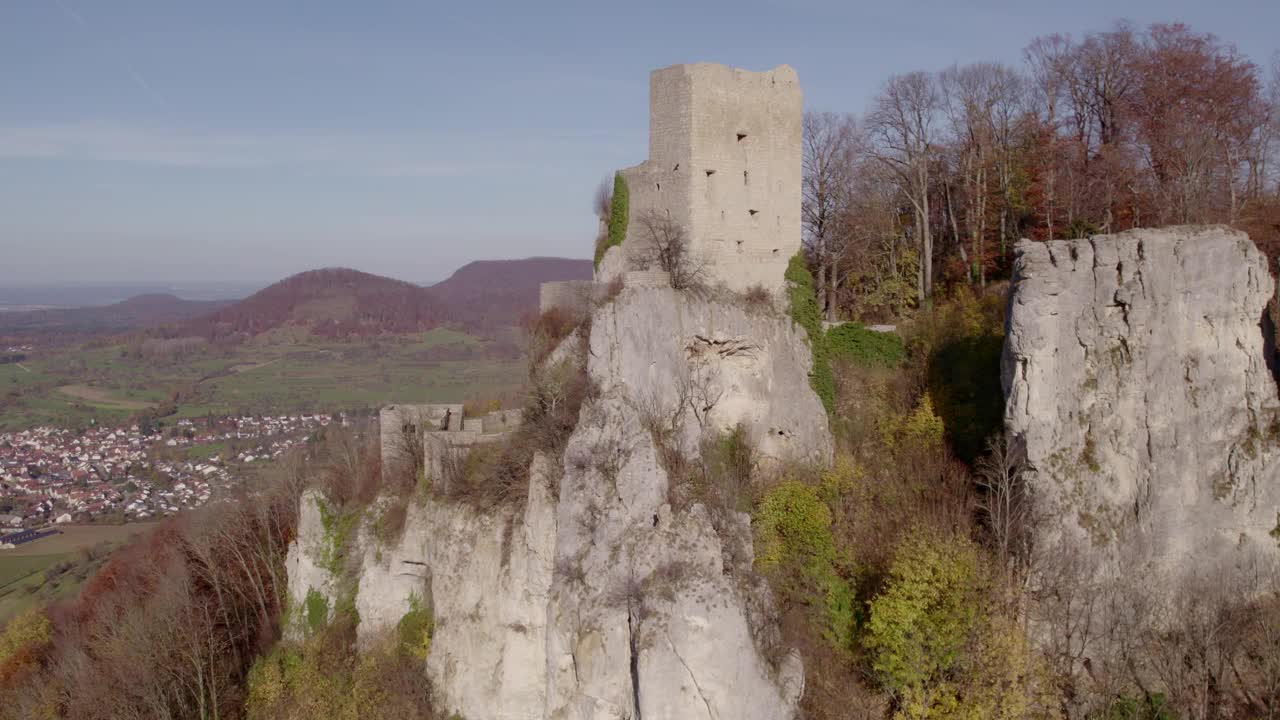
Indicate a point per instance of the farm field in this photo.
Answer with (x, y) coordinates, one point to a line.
(73, 538)
(279, 372)
(54, 567)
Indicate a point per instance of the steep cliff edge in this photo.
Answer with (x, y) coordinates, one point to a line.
(622, 587)
(1137, 370)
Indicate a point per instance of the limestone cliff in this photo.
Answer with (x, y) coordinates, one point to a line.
(615, 590)
(1137, 369)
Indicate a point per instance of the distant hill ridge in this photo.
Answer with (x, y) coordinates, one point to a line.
(145, 310)
(342, 302)
(329, 302)
(494, 293)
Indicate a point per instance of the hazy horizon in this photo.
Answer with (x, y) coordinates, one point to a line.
(143, 141)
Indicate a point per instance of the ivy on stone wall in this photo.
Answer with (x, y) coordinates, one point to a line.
(806, 314)
(618, 209)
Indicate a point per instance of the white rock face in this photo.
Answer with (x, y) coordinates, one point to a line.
(719, 363)
(607, 602)
(655, 612)
(1136, 370)
(486, 578)
(303, 559)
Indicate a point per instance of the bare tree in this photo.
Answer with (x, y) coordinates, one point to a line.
(405, 455)
(666, 246)
(1004, 499)
(829, 147)
(902, 123)
(1049, 60)
(701, 391)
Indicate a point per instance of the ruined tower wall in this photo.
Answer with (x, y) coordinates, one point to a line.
(724, 164)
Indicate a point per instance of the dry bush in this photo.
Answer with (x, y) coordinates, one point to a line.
(346, 465)
(407, 457)
(666, 246)
(758, 299)
(491, 474)
(545, 331)
(602, 199)
(389, 525)
(665, 426)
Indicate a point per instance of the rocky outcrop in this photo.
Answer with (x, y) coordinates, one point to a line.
(655, 611)
(614, 592)
(305, 561)
(1138, 372)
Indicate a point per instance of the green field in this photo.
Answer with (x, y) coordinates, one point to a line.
(15, 569)
(53, 568)
(278, 372)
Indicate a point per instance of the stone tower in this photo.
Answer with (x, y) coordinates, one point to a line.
(724, 164)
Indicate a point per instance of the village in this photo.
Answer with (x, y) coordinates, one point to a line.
(54, 475)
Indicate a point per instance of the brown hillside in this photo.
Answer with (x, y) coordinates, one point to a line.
(332, 302)
(496, 293)
(341, 302)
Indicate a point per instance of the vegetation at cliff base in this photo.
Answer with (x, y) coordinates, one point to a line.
(853, 342)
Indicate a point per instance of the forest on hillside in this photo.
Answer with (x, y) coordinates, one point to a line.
(1131, 127)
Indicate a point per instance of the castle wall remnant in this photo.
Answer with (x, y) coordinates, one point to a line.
(573, 297)
(724, 165)
(444, 431)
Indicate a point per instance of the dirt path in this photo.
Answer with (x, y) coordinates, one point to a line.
(24, 367)
(102, 397)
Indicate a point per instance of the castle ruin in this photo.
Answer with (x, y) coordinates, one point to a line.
(724, 166)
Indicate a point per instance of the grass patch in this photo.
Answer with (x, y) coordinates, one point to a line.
(853, 342)
(16, 569)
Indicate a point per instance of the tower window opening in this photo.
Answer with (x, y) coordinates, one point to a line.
(658, 185)
(753, 212)
(710, 173)
(745, 178)
(741, 137)
(676, 168)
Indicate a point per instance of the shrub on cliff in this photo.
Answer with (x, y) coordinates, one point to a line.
(806, 313)
(619, 206)
(793, 524)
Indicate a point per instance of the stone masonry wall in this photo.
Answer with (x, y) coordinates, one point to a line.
(724, 164)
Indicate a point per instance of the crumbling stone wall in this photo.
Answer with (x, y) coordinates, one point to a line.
(724, 164)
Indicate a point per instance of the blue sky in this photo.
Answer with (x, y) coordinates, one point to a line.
(171, 140)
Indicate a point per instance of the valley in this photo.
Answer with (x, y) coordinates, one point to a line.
(108, 384)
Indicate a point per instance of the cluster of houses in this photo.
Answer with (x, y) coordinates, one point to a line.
(14, 349)
(55, 475)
